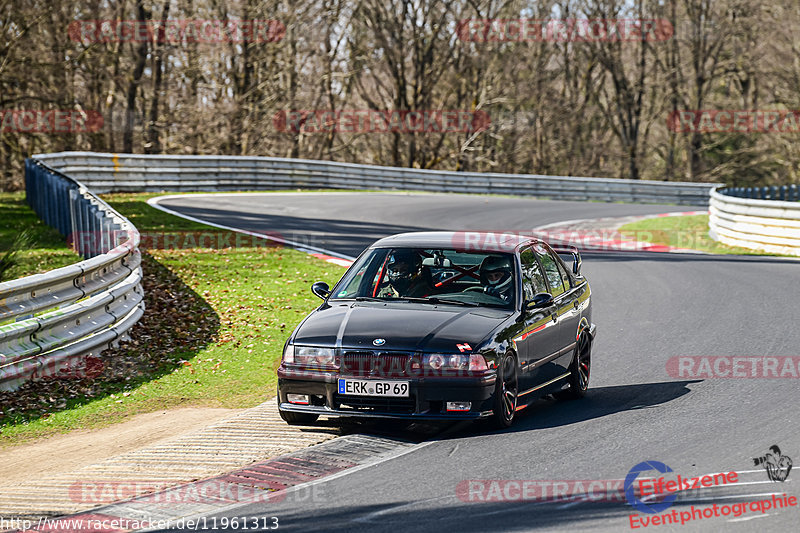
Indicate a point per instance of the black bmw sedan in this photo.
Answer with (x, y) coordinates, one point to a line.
(442, 325)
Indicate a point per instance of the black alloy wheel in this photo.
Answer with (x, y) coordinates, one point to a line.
(505, 395)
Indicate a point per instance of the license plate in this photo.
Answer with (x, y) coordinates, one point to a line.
(371, 387)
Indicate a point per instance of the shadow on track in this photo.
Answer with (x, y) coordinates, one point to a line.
(599, 402)
(545, 413)
(434, 516)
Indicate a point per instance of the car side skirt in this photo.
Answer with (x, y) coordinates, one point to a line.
(543, 385)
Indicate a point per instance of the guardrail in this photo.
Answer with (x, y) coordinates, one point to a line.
(789, 193)
(53, 322)
(132, 172)
(740, 217)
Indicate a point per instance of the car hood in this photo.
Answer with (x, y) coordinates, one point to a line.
(404, 326)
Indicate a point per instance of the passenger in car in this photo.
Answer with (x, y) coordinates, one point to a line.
(496, 278)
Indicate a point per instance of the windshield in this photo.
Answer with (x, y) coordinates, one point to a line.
(437, 276)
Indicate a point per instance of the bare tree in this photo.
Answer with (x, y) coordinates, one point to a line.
(557, 104)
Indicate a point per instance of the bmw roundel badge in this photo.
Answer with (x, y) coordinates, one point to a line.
(379, 342)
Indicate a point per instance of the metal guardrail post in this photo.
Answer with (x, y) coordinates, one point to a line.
(83, 230)
(105, 222)
(74, 215)
(93, 230)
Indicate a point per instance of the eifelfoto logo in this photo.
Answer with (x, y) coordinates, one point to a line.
(777, 465)
(645, 505)
(652, 496)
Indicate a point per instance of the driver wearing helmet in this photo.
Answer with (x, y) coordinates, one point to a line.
(496, 278)
(404, 271)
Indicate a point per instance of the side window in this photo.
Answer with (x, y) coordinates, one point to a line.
(361, 281)
(352, 288)
(533, 281)
(564, 275)
(550, 270)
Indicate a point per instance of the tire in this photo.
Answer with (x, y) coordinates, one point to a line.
(505, 393)
(292, 418)
(580, 369)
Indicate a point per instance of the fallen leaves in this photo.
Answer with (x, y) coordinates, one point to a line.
(168, 327)
(217, 325)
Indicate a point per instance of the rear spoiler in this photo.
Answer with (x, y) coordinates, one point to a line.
(572, 251)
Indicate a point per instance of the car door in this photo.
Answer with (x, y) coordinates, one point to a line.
(569, 312)
(566, 302)
(538, 338)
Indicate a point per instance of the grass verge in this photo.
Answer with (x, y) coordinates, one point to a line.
(689, 231)
(47, 249)
(212, 334)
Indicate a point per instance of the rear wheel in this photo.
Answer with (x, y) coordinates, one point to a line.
(505, 393)
(580, 368)
(298, 418)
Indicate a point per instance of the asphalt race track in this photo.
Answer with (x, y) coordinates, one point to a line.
(347, 222)
(649, 307)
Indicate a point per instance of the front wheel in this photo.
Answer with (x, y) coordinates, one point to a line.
(298, 418)
(580, 368)
(505, 394)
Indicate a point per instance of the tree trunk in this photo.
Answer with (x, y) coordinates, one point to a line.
(153, 141)
(133, 85)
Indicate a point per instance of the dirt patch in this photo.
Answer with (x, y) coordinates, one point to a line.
(64, 453)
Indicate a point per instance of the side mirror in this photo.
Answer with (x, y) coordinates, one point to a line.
(576, 264)
(543, 299)
(321, 290)
(563, 251)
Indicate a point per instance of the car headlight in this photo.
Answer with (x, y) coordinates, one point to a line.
(477, 363)
(457, 361)
(442, 361)
(310, 356)
(288, 353)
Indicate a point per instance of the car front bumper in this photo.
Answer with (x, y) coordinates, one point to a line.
(426, 401)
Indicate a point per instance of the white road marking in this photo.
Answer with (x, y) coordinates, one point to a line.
(746, 518)
(294, 244)
(376, 514)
